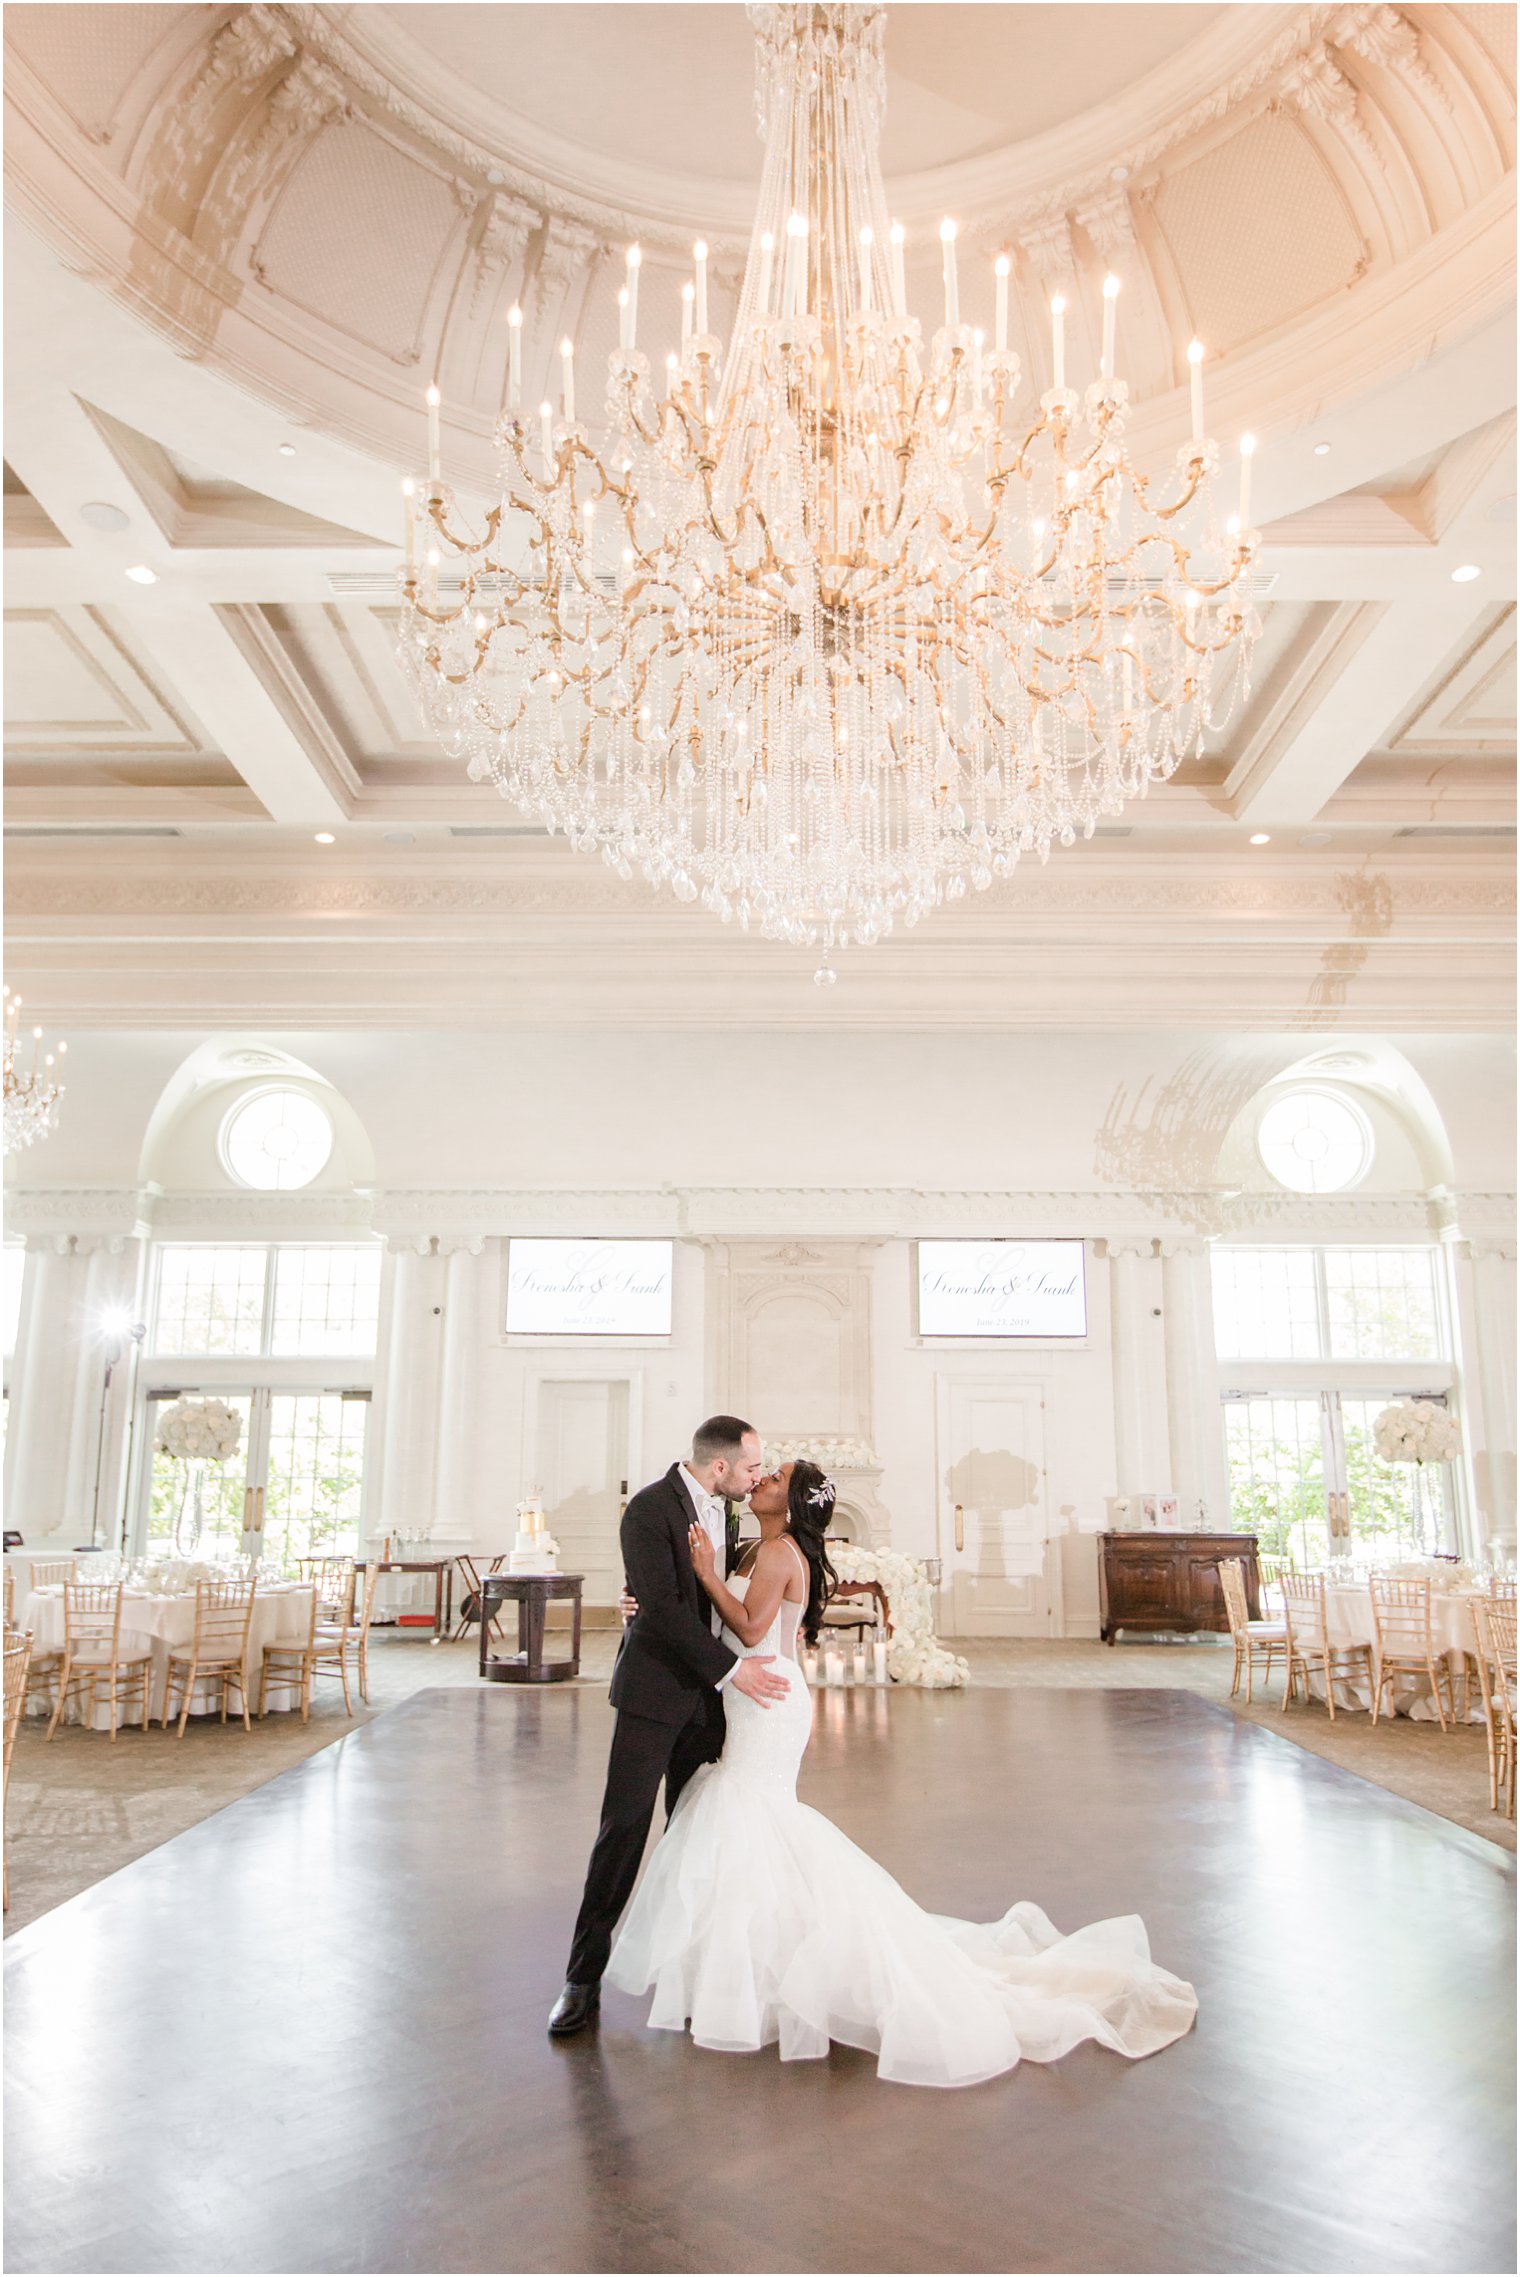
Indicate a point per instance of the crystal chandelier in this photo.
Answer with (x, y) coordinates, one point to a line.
(31, 1096)
(830, 625)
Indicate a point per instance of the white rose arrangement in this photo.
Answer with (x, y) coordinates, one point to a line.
(915, 1655)
(1417, 1431)
(199, 1430)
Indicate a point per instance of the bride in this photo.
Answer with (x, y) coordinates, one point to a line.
(758, 1921)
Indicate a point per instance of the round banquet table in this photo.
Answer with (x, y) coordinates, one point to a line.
(281, 1614)
(1348, 1619)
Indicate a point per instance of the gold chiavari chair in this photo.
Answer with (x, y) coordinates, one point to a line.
(1494, 1629)
(332, 1637)
(1303, 1596)
(93, 1659)
(218, 1650)
(1272, 1568)
(50, 1573)
(1402, 1642)
(18, 1652)
(1257, 1643)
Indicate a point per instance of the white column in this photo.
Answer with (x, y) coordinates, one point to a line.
(42, 1404)
(1140, 1463)
(1192, 1383)
(392, 1501)
(1486, 1304)
(454, 1468)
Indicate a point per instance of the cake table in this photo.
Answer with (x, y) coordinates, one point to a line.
(532, 1593)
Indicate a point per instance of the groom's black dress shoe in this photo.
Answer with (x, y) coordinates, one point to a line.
(574, 2009)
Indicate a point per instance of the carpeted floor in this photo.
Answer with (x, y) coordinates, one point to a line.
(80, 1807)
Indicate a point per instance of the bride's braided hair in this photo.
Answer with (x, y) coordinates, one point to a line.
(810, 1513)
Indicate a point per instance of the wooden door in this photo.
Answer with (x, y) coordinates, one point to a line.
(1003, 1574)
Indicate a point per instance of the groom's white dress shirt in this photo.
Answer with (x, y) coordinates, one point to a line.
(713, 1520)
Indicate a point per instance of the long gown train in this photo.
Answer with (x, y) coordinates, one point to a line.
(758, 1922)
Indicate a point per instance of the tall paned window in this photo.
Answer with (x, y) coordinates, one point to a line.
(1313, 1343)
(284, 1335)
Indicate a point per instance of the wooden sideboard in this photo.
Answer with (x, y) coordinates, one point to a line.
(1169, 1583)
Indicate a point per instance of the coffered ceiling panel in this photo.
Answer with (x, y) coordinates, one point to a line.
(1259, 230)
(346, 656)
(89, 55)
(1471, 707)
(71, 686)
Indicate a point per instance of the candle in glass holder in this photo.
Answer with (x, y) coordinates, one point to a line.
(630, 302)
(833, 1663)
(767, 260)
(434, 402)
(947, 266)
(1110, 298)
(514, 358)
(860, 1659)
(879, 1657)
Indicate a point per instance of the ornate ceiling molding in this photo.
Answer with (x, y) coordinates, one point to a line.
(467, 1216)
(1405, 125)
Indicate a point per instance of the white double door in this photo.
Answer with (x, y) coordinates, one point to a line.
(1001, 1566)
(579, 1447)
(293, 1488)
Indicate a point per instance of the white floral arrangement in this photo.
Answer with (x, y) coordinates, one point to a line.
(828, 1454)
(1417, 1431)
(199, 1430)
(915, 1655)
(1443, 1574)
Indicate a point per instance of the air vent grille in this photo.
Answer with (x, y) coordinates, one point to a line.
(1456, 830)
(91, 830)
(497, 830)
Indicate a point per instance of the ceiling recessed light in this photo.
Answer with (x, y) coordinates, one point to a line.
(287, 450)
(141, 574)
(400, 838)
(1261, 838)
(1465, 575)
(1321, 450)
(325, 838)
(101, 515)
(1314, 838)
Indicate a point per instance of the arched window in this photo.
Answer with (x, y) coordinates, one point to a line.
(1315, 1142)
(276, 1140)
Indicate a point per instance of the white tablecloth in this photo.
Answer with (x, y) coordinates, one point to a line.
(1348, 1620)
(281, 1614)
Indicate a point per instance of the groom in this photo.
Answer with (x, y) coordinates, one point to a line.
(667, 1685)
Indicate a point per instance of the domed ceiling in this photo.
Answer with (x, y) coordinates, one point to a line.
(243, 239)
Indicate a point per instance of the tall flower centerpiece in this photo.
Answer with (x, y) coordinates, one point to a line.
(1418, 1431)
(915, 1655)
(196, 1432)
(825, 625)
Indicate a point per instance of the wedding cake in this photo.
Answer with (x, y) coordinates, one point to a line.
(535, 1550)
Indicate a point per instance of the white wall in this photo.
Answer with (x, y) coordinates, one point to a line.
(879, 1135)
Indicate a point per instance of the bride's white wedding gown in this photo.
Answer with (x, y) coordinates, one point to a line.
(758, 1921)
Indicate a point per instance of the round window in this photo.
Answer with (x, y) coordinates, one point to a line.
(1315, 1142)
(277, 1140)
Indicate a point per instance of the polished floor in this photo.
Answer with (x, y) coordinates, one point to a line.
(307, 2035)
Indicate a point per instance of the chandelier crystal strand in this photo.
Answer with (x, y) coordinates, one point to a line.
(829, 628)
(31, 1094)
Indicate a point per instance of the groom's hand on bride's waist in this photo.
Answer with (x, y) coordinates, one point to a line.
(756, 1680)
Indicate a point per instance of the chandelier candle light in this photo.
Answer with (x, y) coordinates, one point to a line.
(31, 1094)
(836, 626)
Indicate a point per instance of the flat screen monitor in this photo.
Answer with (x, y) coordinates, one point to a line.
(1002, 1288)
(560, 1287)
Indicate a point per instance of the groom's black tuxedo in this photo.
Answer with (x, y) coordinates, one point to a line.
(669, 1656)
(669, 1709)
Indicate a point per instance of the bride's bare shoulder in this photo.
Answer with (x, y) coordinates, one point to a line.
(781, 1555)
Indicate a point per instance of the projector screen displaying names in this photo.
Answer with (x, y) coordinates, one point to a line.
(589, 1288)
(1002, 1288)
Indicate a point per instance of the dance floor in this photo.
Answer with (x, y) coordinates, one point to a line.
(308, 2035)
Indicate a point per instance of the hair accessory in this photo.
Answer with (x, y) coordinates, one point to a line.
(821, 1497)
